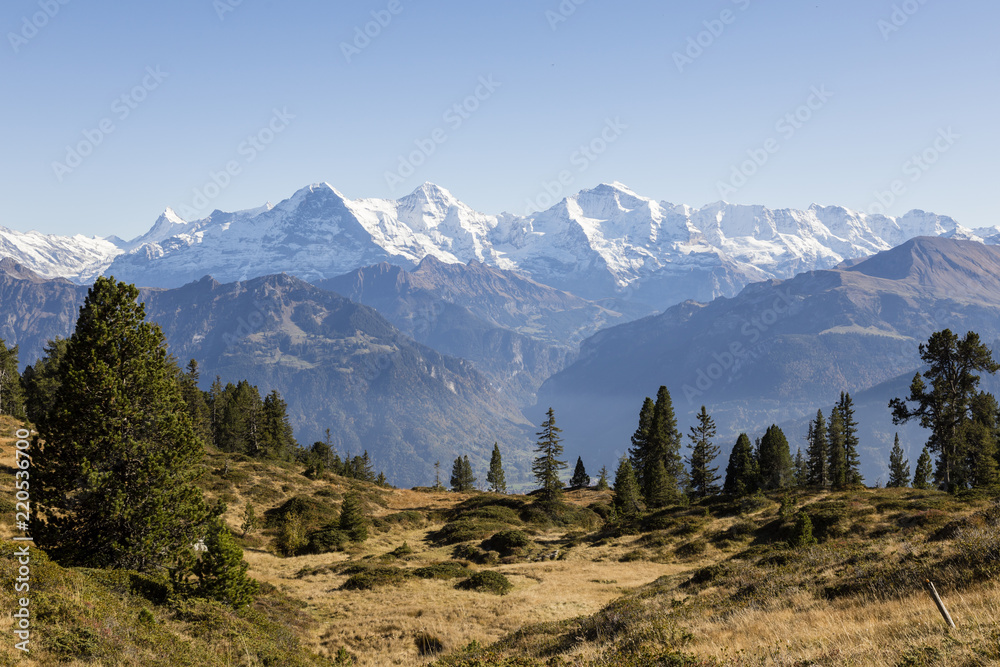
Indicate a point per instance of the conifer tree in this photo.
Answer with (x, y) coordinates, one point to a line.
(461, 475)
(775, 459)
(602, 479)
(818, 453)
(547, 464)
(704, 476)
(660, 493)
(352, 518)
(438, 486)
(802, 532)
(837, 455)
(221, 570)
(640, 451)
(197, 405)
(921, 476)
(852, 461)
(946, 405)
(580, 477)
(899, 468)
(625, 501)
(41, 381)
(801, 468)
(250, 521)
(278, 441)
(495, 478)
(113, 479)
(742, 473)
(11, 395)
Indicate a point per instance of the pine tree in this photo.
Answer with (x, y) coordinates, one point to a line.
(461, 475)
(802, 532)
(978, 468)
(250, 521)
(580, 477)
(639, 452)
(113, 481)
(221, 570)
(602, 479)
(837, 455)
(660, 492)
(742, 473)
(352, 518)
(41, 381)
(946, 405)
(801, 468)
(703, 453)
(438, 486)
(899, 468)
(278, 441)
(922, 474)
(11, 396)
(197, 405)
(852, 461)
(495, 477)
(547, 464)
(818, 453)
(775, 459)
(625, 501)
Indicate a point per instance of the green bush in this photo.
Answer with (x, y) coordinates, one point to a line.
(507, 542)
(375, 577)
(693, 548)
(487, 581)
(444, 570)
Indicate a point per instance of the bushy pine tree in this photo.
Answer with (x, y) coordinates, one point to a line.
(802, 532)
(352, 518)
(40, 381)
(602, 479)
(660, 491)
(742, 473)
(547, 464)
(221, 570)
(640, 451)
(852, 461)
(113, 473)
(899, 468)
(704, 476)
(580, 478)
(818, 453)
(801, 468)
(665, 442)
(625, 501)
(197, 404)
(775, 459)
(837, 455)
(495, 477)
(462, 479)
(11, 395)
(278, 441)
(922, 474)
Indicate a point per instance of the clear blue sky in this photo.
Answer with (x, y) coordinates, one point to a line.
(891, 94)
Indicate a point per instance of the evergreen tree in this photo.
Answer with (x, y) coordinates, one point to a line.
(495, 477)
(625, 501)
(602, 479)
(221, 570)
(852, 461)
(277, 438)
(11, 396)
(580, 477)
(802, 532)
(660, 493)
(818, 453)
(197, 404)
(665, 442)
(899, 468)
(547, 464)
(41, 381)
(113, 479)
(438, 486)
(462, 479)
(978, 468)
(775, 459)
(801, 468)
(352, 518)
(946, 405)
(704, 476)
(742, 473)
(922, 474)
(250, 521)
(640, 451)
(837, 456)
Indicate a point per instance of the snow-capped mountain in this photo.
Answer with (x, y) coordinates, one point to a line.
(606, 242)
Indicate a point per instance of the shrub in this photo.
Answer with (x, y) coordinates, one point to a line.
(507, 542)
(326, 539)
(375, 577)
(802, 534)
(487, 581)
(693, 548)
(292, 537)
(445, 570)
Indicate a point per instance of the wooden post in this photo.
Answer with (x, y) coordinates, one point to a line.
(939, 603)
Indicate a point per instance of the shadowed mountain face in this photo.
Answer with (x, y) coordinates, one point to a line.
(781, 349)
(513, 329)
(338, 364)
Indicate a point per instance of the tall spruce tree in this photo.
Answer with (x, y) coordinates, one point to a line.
(852, 461)
(113, 472)
(801, 468)
(742, 473)
(11, 395)
(278, 440)
(625, 500)
(639, 452)
(818, 453)
(775, 459)
(461, 475)
(580, 478)
(665, 445)
(547, 464)
(40, 381)
(945, 405)
(922, 475)
(197, 404)
(837, 455)
(899, 468)
(704, 476)
(353, 522)
(495, 476)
